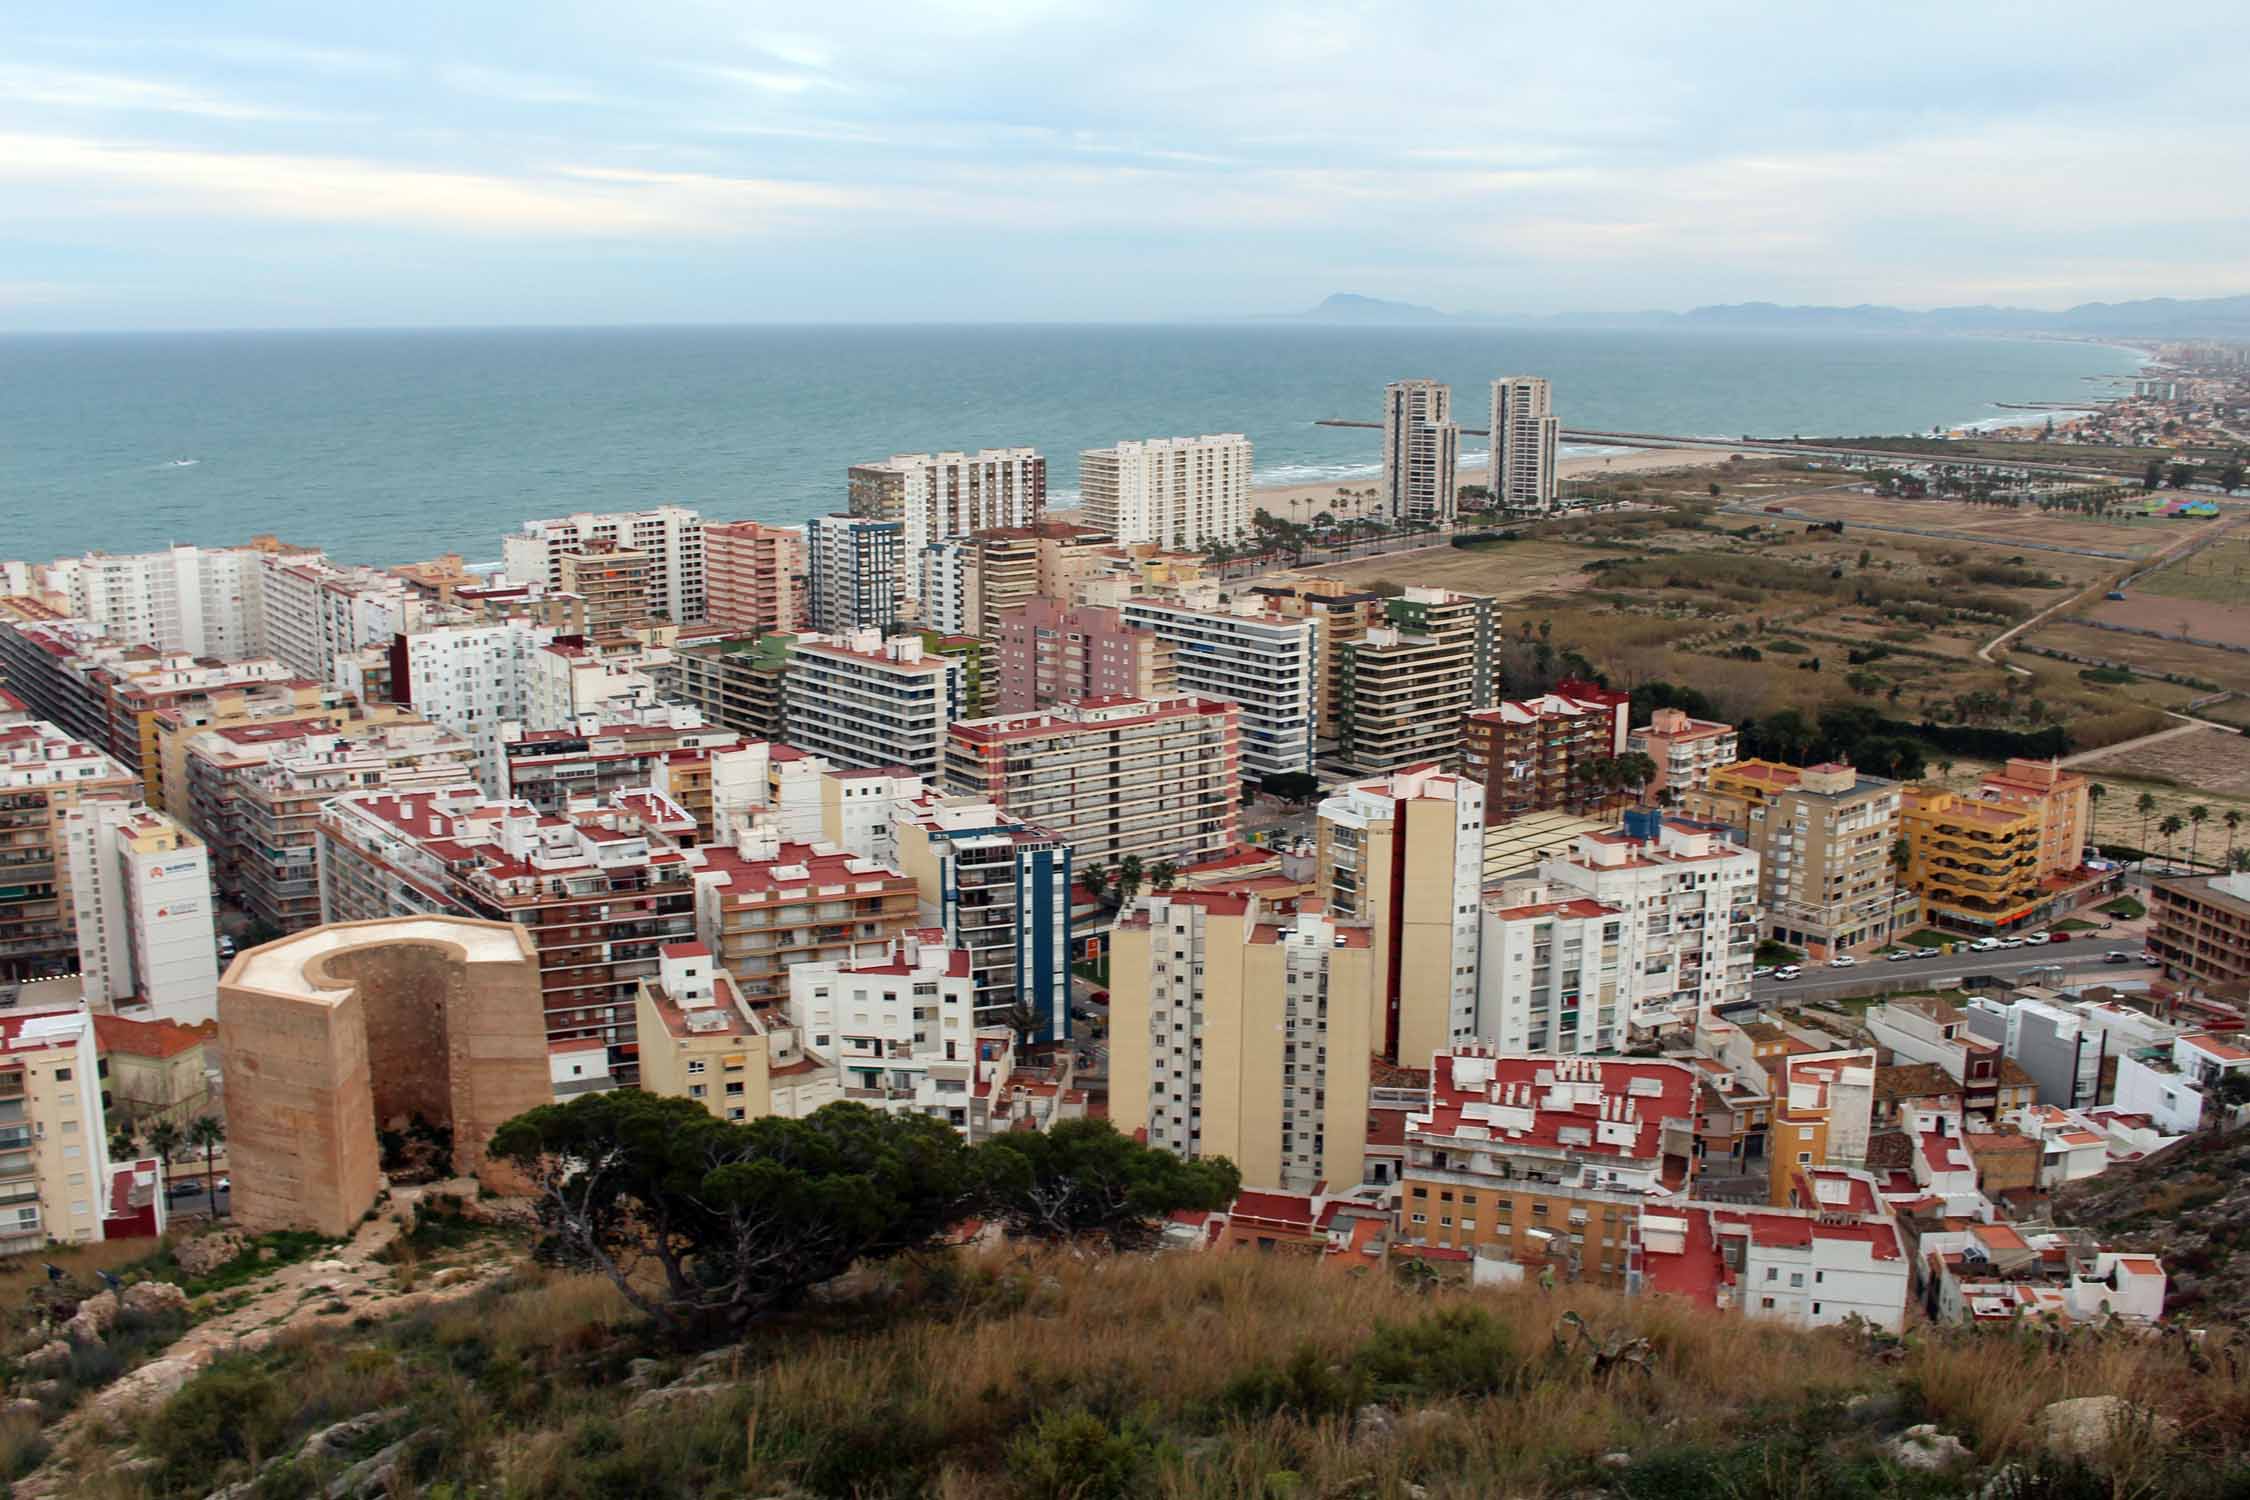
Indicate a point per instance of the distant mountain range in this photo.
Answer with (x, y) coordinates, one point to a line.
(2154, 317)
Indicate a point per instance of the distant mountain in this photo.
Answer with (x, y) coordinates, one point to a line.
(2154, 317)
(1350, 307)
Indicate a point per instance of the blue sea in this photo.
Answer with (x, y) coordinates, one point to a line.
(390, 446)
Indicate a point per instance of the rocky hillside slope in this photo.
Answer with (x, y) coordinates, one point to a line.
(1099, 1379)
(2190, 1204)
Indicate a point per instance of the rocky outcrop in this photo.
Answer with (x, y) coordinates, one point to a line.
(2087, 1426)
(96, 1316)
(207, 1252)
(154, 1299)
(1926, 1449)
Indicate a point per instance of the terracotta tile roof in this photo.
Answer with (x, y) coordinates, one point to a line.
(118, 1035)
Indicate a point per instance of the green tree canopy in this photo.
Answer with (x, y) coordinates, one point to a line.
(1084, 1180)
(703, 1222)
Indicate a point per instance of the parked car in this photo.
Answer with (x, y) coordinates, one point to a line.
(1984, 945)
(1787, 971)
(226, 946)
(2035, 939)
(2117, 956)
(1763, 971)
(2149, 958)
(2011, 942)
(1843, 961)
(2058, 937)
(1900, 955)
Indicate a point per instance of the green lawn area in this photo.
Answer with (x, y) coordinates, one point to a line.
(2126, 907)
(1927, 938)
(2072, 924)
(1093, 973)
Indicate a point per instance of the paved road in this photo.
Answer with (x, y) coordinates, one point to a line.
(2080, 958)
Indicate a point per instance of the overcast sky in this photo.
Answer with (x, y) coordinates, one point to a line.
(461, 162)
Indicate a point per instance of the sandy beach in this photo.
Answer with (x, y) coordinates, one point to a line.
(1333, 496)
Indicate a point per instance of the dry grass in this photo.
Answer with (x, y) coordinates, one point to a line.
(945, 1386)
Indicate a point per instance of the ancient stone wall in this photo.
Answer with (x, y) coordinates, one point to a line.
(329, 1033)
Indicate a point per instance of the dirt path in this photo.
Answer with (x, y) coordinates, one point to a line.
(2099, 589)
(2189, 726)
(348, 1284)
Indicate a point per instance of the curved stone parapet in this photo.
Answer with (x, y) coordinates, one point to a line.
(328, 1034)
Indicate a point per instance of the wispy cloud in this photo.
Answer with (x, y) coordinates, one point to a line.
(570, 200)
(69, 88)
(513, 87)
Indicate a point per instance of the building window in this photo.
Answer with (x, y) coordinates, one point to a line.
(1421, 1218)
(62, 1075)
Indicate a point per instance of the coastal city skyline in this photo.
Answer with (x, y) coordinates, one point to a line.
(1068, 752)
(302, 169)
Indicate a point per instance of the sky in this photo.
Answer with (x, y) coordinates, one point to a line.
(406, 163)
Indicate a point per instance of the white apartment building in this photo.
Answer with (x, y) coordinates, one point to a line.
(948, 576)
(861, 700)
(1421, 452)
(934, 496)
(2177, 1087)
(1180, 493)
(192, 599)
(860, 808)
(140, 886)
(1266, 664)
(1550, 976)
(472, 679)
(670, 535)
(1689, 900)
(854, 573)
(901, 1029)
(312, 614)
(1526, 438)
(569, 681)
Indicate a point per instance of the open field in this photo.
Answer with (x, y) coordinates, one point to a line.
(2204, 760)
(2132, 536)
(2219, 573)
(1765, 613)
(2227, 669)
(2207, 619)
(1518, 571)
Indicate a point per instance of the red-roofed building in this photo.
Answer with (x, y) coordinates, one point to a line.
(1530, 754)
(1686, 750)
(1548, 1160)
(1812, 1267)
(600, 890)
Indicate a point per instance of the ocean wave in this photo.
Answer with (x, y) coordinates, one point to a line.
(179, 463)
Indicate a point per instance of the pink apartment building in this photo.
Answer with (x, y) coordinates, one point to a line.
(750, 576)
(1050, 654)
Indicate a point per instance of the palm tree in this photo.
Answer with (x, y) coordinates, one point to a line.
(163, 1139)
(2198, 815)
(1128, 880)
(1024, 1022)
(1094, 876)
(2145, 805)
(2170, 830)
(1164, 876)
(210, 1133)
(2239, 859)
(122, 1143)
(2233, 820)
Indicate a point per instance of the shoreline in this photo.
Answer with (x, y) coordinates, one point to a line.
(1332, 495)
